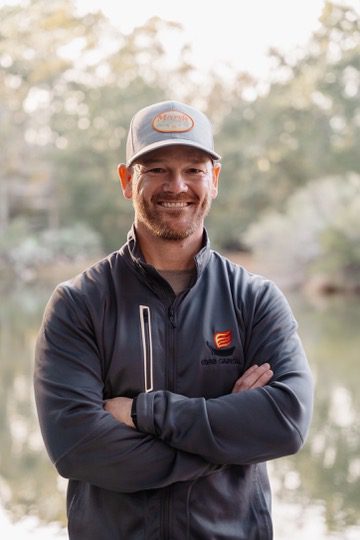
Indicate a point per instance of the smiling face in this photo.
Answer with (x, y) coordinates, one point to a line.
(171, 189)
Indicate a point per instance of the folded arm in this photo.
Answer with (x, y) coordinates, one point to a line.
(83, 440)
(244, 427)
(254, 377)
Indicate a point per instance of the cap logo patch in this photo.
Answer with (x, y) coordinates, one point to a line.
(223, 339)
(172, 122)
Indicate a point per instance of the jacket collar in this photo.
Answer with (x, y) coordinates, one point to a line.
(134, 252)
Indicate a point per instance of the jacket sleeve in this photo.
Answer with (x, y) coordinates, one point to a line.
(83, 440)
(253, 425)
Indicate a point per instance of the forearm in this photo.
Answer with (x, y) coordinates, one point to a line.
(251, 426)
(130, 462)
(109, 454)
(83, 440)
(228, 430)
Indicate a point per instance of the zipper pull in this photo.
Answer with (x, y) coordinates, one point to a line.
(172, 316)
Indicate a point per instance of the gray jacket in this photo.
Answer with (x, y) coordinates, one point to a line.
(195, 467)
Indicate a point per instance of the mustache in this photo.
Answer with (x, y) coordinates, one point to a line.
(168, 197)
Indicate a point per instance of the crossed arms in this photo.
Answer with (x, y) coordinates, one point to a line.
(179, 438)
(254, 377)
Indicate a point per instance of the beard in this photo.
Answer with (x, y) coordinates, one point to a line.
(168, 229)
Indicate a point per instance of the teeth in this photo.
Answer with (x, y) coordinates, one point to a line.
(174, 204)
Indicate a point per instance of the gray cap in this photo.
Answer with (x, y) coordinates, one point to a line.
(165, 124)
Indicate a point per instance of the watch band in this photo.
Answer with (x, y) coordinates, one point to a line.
(133, 412)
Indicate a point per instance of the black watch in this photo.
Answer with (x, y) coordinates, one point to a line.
(133, 412)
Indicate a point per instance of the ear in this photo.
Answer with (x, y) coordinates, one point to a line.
(215, 180)
(125, 174)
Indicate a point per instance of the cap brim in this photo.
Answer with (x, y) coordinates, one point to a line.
(172, 142)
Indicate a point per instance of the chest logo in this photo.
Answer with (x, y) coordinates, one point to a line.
(223, 340)
(223, 343)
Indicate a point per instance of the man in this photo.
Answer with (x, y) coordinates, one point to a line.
(166, 375)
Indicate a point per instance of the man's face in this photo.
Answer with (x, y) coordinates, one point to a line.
(172, 189)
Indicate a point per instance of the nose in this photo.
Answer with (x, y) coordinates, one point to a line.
(175, 183)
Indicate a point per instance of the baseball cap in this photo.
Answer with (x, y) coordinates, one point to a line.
(165, 124)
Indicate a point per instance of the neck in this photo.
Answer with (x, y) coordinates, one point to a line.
(169, 254)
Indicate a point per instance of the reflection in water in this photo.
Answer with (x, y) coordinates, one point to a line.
(28, 483)
(29, 528)
(315, 491)
(327, 471)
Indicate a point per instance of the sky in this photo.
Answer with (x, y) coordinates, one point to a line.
(237, 33)
(226, 36)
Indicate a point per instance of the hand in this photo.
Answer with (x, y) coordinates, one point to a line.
(120, 408)
(254, 377)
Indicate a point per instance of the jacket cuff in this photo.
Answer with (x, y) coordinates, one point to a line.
(145, 413)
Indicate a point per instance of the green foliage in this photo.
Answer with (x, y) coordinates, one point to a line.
(24, 250)
(69, 85)
(318, 233)
(340, 242)
(15, 233)
(306, 126)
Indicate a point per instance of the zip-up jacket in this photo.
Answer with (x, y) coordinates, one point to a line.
(194, 469)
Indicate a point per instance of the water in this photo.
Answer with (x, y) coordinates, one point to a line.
(316, 493)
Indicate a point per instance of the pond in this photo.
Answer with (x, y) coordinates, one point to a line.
(316, 492)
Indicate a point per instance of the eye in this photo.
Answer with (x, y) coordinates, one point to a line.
(156, 170)
(195, 172)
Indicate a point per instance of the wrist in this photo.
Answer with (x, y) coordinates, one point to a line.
(133, 412)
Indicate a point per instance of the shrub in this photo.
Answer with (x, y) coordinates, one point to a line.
(22, 249)
(318, 234)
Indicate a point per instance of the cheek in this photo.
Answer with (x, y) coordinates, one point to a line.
(209, 190)
(139, 189)
(145, 187)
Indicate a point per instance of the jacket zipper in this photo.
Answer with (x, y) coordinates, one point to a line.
(145, 322)
(170, 371)
(170, 384)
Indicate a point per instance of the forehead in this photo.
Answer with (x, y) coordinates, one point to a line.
(176, 152)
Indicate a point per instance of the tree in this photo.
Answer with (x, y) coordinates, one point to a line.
(304, 127)
(73, 101)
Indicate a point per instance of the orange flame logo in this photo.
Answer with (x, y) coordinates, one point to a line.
(223, 339)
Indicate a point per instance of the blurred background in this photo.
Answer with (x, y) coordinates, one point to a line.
(281, 83)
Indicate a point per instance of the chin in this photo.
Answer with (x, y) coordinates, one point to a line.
(165, 233)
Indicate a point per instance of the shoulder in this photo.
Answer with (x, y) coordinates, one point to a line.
(244, 278)
(91, 285)
(254, 292)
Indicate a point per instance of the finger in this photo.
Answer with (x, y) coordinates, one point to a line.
(259, 373)
(244, 381)
(256, 375)
(251, 375)
(263, 379)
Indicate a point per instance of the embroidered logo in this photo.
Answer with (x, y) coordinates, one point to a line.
(222, 342)
(172, 121)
